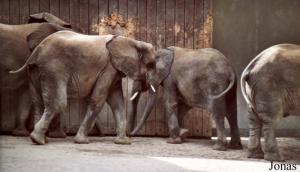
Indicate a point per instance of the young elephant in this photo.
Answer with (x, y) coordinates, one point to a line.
(271, 87)
(68, 64)
(193, 78)
(16, 42)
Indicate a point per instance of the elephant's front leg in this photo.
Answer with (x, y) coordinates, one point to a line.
(96, 102)
(172, 113)
(24, 107)
(116, 102)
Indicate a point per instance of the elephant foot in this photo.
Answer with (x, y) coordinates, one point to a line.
(20, 132)
(220, 146)
(57, 134)
(38, 138)
(176, 140)
(273, 157)
(255, 153)
(80, 139)
(183, 133)
(235, 145)
(122, 141)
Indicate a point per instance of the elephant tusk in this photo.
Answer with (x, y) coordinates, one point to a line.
(134, 96)
(153, 89)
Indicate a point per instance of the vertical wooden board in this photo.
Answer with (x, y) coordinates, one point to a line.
(142, 24)
(103, 10)
(208, 23)
(54, 7)
(24, 11)
(198, 24)
(188, 122)
(123, 8)
(44, 5)
(160, 122)
(93, 17)
(189, 24)
(197, 119)
(206, 124)
(113, 6)
(74, 14)
(179, 23)
(133, 15)
(64, 10)
(4, 11)
(34, 6)
(151, 38)
(14, 13)
(160, 24)
(84, 16)
(170, 23)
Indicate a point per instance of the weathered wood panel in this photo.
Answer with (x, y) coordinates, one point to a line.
(184, 23)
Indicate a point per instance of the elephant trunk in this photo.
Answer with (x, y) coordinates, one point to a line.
(150, 104)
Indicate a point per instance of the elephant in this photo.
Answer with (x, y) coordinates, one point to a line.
(271, 87)
(71, 65)
(190, 78)
(17, 42)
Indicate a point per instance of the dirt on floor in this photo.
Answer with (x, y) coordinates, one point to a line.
(146, 146)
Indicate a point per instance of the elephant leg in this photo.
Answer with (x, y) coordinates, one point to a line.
(24, 107)
(116, 102)
(217, 109)
(271, 148)
(55, 100)
(182, 111)
(172, 113)
(97, 100)
(98, 125)
(235, 141)
(132, 111)
(254, 144)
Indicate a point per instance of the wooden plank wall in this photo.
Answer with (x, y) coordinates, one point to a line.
(184, 23)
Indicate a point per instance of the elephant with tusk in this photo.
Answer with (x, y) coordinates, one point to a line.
(68, 64)
(271, 87)
(191, 78)
(17, 42)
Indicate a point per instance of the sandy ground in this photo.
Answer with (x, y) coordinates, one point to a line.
(144, 154)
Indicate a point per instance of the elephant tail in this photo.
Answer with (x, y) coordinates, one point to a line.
(28, 61)
(230, 86)
(245, 78)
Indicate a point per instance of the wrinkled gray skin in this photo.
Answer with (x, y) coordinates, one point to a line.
(271, 87)
(16, 42)
(192, 78)
(71, 65)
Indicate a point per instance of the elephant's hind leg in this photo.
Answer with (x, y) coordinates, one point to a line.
(254, 144)
(54, 92)
(217, 109)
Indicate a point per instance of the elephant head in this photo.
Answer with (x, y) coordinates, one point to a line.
(131, 57)
(163, 62)
(47, 18)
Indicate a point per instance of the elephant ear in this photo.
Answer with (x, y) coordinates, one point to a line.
(39, 34)
(163, 63)
(49, 18)
(127, 55)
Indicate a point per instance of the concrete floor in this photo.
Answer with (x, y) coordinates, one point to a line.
(18, 154)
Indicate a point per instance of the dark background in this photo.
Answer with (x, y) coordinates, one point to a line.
(243, 28)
